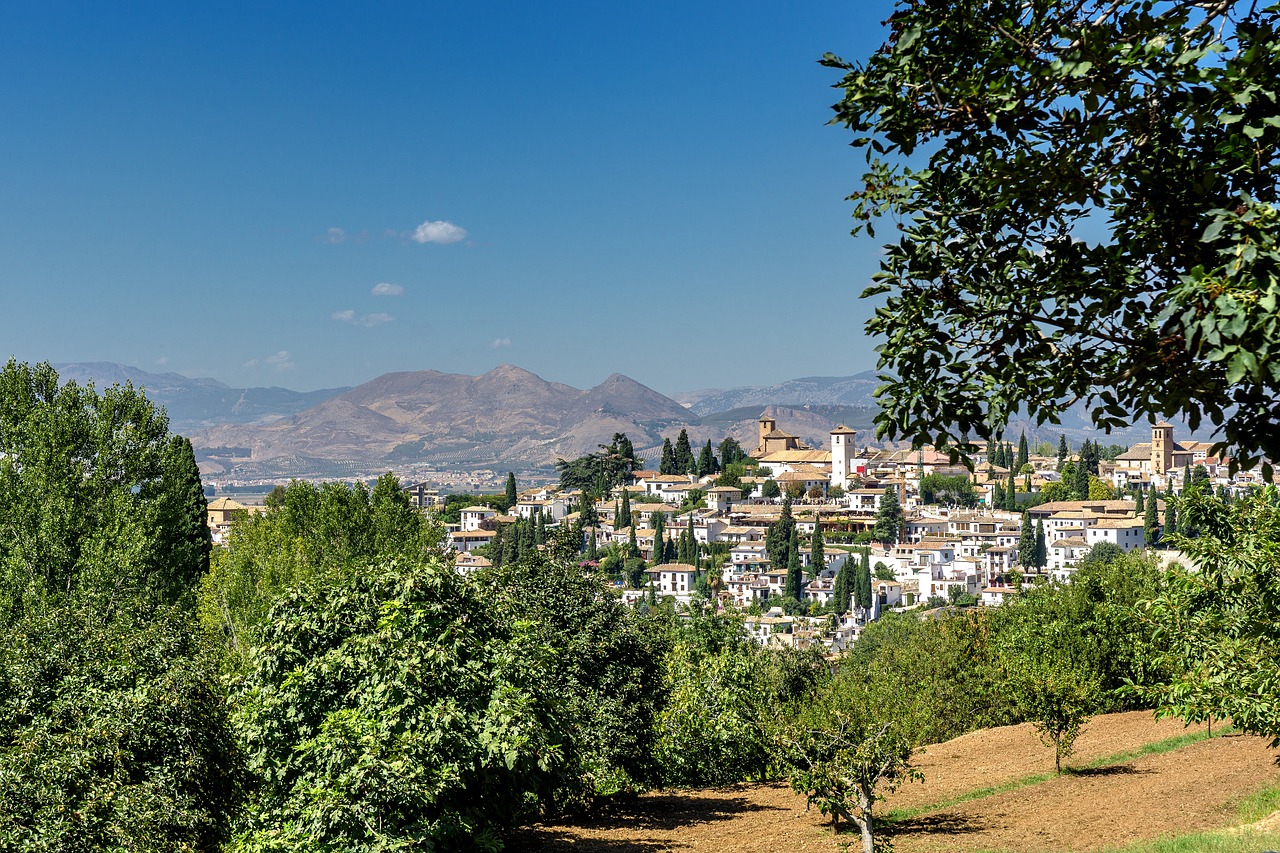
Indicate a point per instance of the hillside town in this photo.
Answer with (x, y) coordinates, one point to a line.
(973, 542)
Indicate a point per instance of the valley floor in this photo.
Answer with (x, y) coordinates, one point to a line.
(992, 790)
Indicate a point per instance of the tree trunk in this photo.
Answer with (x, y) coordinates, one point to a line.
(865, 824)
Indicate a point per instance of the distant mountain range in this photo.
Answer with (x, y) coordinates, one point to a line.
(812, 390)
(506, 419)
(194, 404)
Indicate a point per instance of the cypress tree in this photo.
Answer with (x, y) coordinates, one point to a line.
(540, 531)
(864, 581)
(1186, 477)
(1151, 522)
(624, 514)
(659, 536)
(795, 575)
(842, 593)
(997, 495)
(511, 546)
(1063, 450)
(1024, 453)
(707, 461)
(684, 461)
(1080, 483)
(1138, 505)
(632, 548)
(496, 548)
(181, 552)
(528, 537)
(888, 526)
(592, 552)
(668, 463)
(1027, 543)
(817, 551)
(511, 497)
(1042, 547)
(1170, 516)
(1011, 493)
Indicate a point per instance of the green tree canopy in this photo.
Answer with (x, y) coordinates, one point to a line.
(1086, 194)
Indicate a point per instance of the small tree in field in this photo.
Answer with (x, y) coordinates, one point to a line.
(1058, 698)
(845, 753)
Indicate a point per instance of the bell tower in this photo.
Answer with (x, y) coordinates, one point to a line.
(1161, 447)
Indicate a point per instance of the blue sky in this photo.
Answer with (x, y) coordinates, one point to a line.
(310, 195)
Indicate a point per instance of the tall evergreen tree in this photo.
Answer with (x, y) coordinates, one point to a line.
(624, 514)
(888, 526)
(1024, 453)
(795, 574)
(684, 461)
(540, 530)
(1170, 516)
(587, 515)
(1151, 522)
(843, 587)
(731, 453)
(511, 545)
(1027, 544)
(1139, 506)
(659, 524)
(1042, 546)
(997, 495)
(1063, 450)
(863, 584)
(1080, 480)
(511, 497)
(633, 550)
(1011, 492)
(593, 552)
(1186, 477)
(496, 546)
(817, 551)
(707, 461)
(181, 525)
(668, 463)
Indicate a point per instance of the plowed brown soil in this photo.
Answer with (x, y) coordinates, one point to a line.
(1188, 789)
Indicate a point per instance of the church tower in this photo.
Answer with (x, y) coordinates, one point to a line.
(843, 450)
(767, 425)
(1161, 447)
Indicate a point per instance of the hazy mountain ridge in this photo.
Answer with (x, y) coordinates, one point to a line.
(853, 390)
(195, 404)
(508, 416)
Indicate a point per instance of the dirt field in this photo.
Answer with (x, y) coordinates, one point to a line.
(1192, 788)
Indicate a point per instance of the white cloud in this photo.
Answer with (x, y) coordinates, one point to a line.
(438, 231)
(335, 235)
(162, 360)
(281, 360)
(500, 342)
(386, 288)
(366, 320)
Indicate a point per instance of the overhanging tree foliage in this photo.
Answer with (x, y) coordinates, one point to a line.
(1086, 191)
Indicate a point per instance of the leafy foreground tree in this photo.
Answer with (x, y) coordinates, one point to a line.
(1057, 169)
(844, 754)
(385, 709)
(113, 727)
(601, 670)
(313, 531)
(1218, 628)
(113, 734)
